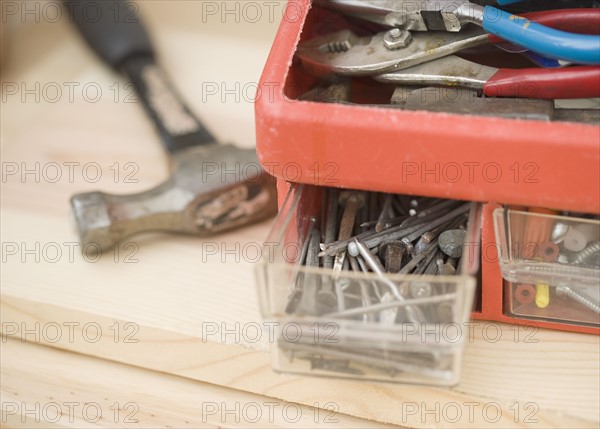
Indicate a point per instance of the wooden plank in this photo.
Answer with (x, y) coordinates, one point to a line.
(41, 383)
(507, 375)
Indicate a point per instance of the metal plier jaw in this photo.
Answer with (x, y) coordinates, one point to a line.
(345, 53)
(413, 15)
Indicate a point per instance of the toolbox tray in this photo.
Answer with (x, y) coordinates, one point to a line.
(525, 162)
(334, 337)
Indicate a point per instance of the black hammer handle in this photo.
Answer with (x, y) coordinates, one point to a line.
(114, 30)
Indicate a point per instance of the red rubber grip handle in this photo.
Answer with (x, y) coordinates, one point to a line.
(568, 82)
(579, 21)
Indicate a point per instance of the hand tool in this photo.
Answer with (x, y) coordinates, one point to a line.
(212, 187)
(569, 82)
(453, 16)
(466, 101)
(345, 53)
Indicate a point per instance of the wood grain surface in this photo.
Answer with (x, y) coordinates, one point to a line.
(43, 386)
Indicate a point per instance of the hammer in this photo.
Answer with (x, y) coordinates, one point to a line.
(212, 187)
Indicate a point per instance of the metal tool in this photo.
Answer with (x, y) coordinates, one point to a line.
(345, 53)
(466, 101)
(453, 16)
(570, 82)
(198, 198)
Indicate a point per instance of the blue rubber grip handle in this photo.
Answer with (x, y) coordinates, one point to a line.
(551, 43)
(507, 2)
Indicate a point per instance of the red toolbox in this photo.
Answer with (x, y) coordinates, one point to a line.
(497, 161)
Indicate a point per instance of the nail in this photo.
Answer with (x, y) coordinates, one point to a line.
(365, 269)
(364, 291)
(406, 226)
(451, 242)
(374, 264)
(298, 276)
(331, 223)
(308, 300)
(413, 232)
(351, 201)
(425, 263)
(333, 365)
(384, 305)
(385, 213)
(414, 314)
(412, 264)
(392, 253)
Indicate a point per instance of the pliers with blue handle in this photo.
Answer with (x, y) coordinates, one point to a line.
(452, 16)
(344, 53)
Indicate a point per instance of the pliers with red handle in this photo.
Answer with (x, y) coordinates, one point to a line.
(568, 82)
(418, 62)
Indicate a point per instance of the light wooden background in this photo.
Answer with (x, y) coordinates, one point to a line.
(174, 287)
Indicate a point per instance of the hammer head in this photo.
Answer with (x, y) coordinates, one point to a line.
(211, 189)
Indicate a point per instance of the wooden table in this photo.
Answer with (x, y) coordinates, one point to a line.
(137, 325)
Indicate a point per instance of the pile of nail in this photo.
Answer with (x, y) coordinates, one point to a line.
(389, 237)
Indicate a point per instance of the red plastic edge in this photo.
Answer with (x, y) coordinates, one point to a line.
(521, 162)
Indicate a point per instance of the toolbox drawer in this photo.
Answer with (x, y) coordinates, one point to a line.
(352, 347)
(526, 162)
(551, 266)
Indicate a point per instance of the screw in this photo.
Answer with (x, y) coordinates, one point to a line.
(558, 232)
(583, 255)
(578, 237)
(580, 297)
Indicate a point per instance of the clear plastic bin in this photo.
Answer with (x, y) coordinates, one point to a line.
(356, 341)
(551, 265)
